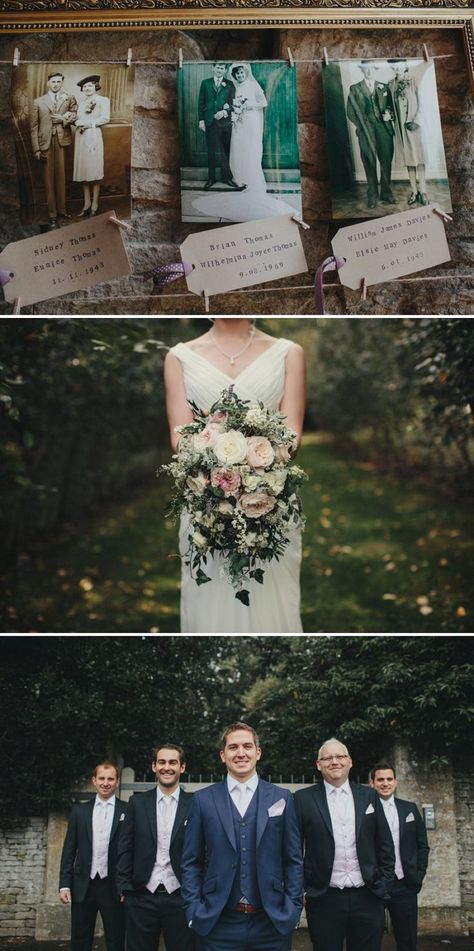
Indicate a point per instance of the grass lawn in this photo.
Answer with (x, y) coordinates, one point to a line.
(381, 555)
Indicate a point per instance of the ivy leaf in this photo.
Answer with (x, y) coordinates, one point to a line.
(201, 578)
(257, 575)
(243, 596)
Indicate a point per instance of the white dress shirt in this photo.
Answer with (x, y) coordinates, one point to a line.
(346, 871)
(241, 793)
(102, 818)
(392, 817)
(162, 873)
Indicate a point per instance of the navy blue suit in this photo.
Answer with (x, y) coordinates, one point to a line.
(219, 844)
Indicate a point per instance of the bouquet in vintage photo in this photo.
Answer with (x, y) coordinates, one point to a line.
(234, 477)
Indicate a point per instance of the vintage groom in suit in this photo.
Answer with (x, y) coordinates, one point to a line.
(349, 857)
(242, 866)
(50, 128)
(370, 108)
(148, 872)
(214, 109)
(88, 864)
(411, 855)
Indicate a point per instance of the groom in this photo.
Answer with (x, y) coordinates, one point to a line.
(215, 107)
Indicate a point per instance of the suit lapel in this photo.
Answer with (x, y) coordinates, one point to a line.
(264, 794)
(402, 814)
(321, 801)
(181, 813)
(359, 803)
(116, 818)
(88, 812)
(224, 811)
(150, 807)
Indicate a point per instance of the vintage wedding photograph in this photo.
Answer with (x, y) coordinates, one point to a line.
(73, 131)
(238, 141)
(384, 137)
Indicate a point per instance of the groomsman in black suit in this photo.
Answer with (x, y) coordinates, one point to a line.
(149, 865)
(411, 856)
(88, 864)
(349, 858)
(216, 95)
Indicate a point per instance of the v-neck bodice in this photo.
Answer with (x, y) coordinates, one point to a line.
(263, 379)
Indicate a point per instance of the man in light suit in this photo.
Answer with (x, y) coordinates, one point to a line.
(50, 128)
(349, 858)
(370, 108)
(411, 856)
(148, 872)
(88, 864)
(214, 109)
(242, 869)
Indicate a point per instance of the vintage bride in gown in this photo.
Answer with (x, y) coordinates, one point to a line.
(263, 368)
(245, 158)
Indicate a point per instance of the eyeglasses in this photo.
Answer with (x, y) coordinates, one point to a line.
(340, 757)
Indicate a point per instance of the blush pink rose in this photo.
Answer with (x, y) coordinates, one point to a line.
(218, 420)
(206, 439)
(283, 452)
(255, 504)
(260, 454)
(226, 479)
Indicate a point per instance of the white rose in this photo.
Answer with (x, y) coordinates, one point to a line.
(260, 453)
(226, 508)
(251, 482)
(198, 483)
(276, 480)
(231, 448)
(199, 540)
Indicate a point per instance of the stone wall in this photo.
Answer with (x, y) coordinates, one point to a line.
(22, 869)
(464, 793)
(157, 228)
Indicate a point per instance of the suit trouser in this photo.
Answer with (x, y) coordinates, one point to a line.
(235, 931)
(55, 178)
(403, 910)
(379, 146)
(101, 896)
(218, 140)
(149, 915)
(355, 915)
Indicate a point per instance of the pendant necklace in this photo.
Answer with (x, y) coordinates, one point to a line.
(232, 357)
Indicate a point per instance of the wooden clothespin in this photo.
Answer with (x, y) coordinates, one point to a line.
(442, 214)
(17, 305)
(363, 289)
(300, 222)
(291, 61)
(180, 58)
(120, 224)
(426, 55)
(129, 56)
(16, 56)
(325, 57)
(205, 294)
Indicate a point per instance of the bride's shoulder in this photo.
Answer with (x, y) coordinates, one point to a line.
(197, 344)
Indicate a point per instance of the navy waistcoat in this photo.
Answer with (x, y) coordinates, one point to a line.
(245, 829)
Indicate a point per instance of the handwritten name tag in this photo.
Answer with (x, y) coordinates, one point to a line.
(385, 248)
(242, 255)
(64, 260)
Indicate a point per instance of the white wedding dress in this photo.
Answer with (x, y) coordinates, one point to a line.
(212, 608)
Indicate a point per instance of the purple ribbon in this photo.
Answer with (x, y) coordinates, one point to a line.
(167, 273)
(5, 277)
(329, 264)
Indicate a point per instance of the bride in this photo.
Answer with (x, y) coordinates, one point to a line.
(245, 158)
(261, 368)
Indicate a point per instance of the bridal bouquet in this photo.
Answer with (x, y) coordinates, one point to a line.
(234, 477)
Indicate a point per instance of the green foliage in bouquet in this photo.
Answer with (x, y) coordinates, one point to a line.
(234, 477)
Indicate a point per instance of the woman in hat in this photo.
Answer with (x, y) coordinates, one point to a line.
(92, 112)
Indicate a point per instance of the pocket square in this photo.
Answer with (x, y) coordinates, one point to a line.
(369, 809)
(410, 817)
(122, 817)
(277, 809)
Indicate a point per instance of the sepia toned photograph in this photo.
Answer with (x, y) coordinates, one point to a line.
(384, 137)
(73, 126)
(238, 141)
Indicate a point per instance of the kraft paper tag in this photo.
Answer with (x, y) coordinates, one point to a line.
(254, 252)
(382, 249)
(64, 260)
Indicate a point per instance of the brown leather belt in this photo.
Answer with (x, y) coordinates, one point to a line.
(245, 909)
